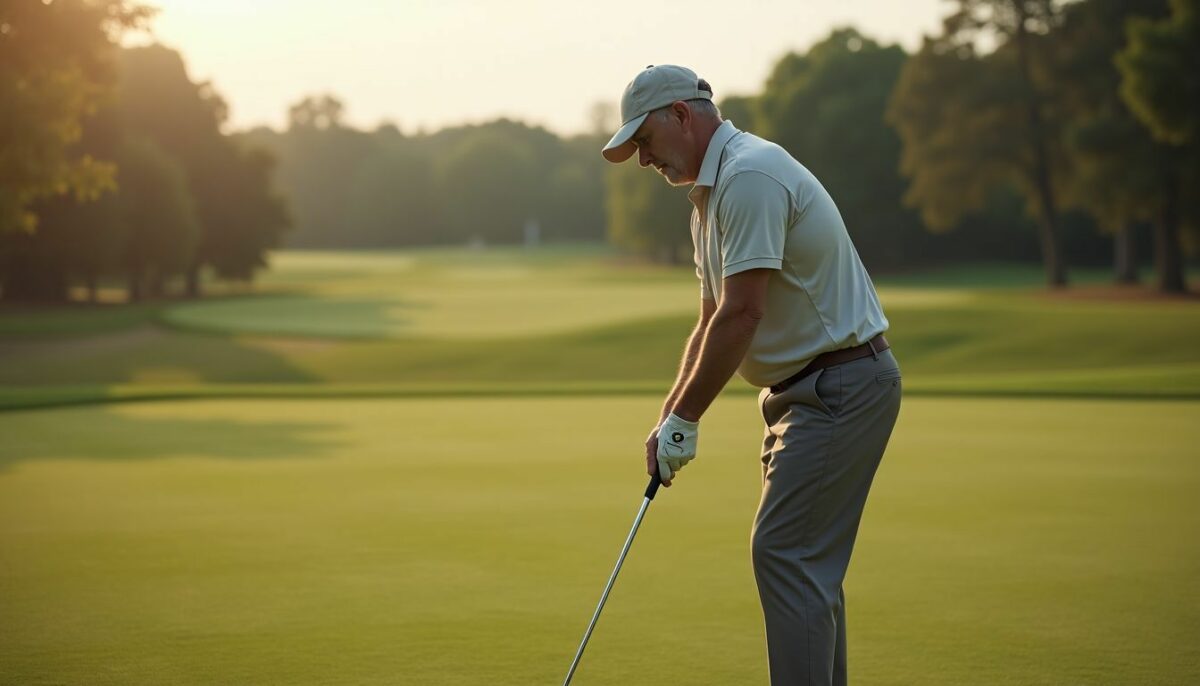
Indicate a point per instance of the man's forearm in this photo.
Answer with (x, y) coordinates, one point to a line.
(725, 342)
(691, 352)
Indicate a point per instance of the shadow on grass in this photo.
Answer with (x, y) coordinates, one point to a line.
(144, 355)
(115, 434)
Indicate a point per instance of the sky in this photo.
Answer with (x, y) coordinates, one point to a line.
(425, 65)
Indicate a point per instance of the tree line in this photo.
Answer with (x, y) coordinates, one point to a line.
(1038, 130)
(495, 183)
(1026, 130)
(115, 165)
(1089, 106)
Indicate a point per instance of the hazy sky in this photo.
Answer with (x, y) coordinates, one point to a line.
(430, 64)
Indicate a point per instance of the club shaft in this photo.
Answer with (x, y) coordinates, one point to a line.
(607, 588)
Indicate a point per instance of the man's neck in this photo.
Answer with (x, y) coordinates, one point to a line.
(704, 135)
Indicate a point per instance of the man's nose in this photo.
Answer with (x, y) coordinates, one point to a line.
(643, 157)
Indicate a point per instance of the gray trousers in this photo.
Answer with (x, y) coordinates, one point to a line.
(825, 437)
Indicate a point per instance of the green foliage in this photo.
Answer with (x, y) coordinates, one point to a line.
(190, 196)
(157, 99)
(392, 200)
(971, 122)
(74, 238)
(240, 215)
(317, 171)
(487, 185)
(56, 66)
(1160, 84)
(316, 112)
(1117, 168)
(572, 203)
(743, 111)
(826, 107)
(646, 215)
(1161, 68)
(251, 216)
(487, 182)
(1120, 174)
(159, 215)
(956, 116)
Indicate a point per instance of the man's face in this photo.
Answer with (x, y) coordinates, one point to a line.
(662, 142)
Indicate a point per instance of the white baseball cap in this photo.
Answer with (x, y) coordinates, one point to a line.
(655, 87)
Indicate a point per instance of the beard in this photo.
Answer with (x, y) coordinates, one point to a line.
(672, 170)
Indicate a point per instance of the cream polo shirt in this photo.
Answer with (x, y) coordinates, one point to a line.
(757, 207)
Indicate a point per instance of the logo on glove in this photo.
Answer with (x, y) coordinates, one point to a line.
(677, 437)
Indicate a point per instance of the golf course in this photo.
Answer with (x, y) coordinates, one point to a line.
(353, 472)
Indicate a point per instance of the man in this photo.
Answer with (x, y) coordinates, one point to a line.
(787, 303)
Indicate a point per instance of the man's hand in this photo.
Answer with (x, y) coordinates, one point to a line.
(676, 447)
(652, 453)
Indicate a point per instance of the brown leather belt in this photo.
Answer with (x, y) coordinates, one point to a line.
(872, 347)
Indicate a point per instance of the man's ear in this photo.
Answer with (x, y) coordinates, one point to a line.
(683, 114)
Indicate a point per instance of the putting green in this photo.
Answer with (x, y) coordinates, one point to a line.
(463, 541)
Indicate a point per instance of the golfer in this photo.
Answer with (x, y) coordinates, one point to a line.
(786, 302)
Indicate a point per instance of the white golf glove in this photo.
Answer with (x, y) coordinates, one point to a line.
(676, 445)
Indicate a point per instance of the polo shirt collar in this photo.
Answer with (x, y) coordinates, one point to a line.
(712, 156)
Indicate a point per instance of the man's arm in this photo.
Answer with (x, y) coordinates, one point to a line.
(691, 353)
(724, 343)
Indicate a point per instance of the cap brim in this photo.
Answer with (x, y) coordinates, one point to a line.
(620, 148)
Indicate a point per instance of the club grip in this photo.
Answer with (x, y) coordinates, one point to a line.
(652, 489)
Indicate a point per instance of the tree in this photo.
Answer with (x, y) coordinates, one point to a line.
(826, 107)
(646, 215)
(159, 215)
(743, 111)
(971, 122)
(240, 215)
(319, 162)
(248, 222)
(1119, 173)
(573, 203)
(487, 185)
(78, 236)
(55, 68)
(392, 200)
(316, 112)
(1160, 71)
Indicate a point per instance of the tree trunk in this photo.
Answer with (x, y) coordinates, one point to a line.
(1168, 250)
(192, 285)
(1125, 255)
(135, 285)
(92, 287)
(156, 284)
(32, 282)
(1056, 272)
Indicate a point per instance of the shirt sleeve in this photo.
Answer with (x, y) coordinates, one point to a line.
(752, 216)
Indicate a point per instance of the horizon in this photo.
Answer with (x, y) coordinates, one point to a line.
(263, 59)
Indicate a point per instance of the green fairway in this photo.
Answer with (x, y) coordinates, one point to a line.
(459, 294)
(435, 296)
(562, 318)
(458, 541)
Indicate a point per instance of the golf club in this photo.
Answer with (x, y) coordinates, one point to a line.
(650, 491)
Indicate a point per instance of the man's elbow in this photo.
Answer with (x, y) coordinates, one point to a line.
(749, 313)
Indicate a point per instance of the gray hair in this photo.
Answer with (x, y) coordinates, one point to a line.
(702, 107)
